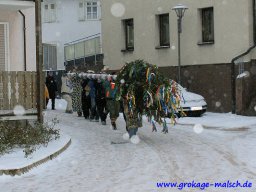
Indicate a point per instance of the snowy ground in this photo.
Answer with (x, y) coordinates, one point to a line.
(220, 147)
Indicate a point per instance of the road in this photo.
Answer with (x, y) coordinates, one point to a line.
(91, 163)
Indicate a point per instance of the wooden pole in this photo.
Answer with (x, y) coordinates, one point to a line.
(39, 61)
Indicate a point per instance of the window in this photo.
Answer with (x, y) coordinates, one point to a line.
(207, 24)
(82, 49)
(50, 56)
(91, 10)
(4, 30)
(129, 34)
(164, 35)
(50, 15)
(88, 10)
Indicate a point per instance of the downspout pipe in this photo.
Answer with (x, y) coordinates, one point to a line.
(24, 39)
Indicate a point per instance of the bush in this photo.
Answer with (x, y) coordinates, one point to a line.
(29, 137)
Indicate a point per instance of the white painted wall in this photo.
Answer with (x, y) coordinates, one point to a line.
(232, 21)
(67, 28)
(16, 42)
(31, 38)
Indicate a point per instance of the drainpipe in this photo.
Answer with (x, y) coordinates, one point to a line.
(24, 39)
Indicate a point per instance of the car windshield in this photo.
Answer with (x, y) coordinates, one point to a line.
(181, 88)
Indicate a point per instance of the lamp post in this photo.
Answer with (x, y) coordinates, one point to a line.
(180, 10)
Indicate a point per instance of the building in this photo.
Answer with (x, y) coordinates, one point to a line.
(20, 85)
(71, 34)
(213, 34)
(17, 36)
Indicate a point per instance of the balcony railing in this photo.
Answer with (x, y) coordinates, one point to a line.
(17, 89)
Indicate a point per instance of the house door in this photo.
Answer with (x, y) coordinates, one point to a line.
(4, 47)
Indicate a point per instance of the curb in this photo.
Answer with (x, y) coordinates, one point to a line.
(242, 128)
(193, 124)
(26, 169)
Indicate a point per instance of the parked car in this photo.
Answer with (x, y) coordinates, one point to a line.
(192, 104)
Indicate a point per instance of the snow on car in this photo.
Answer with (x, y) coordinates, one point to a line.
(192, 104)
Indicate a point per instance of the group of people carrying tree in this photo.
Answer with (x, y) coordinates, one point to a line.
(93, 98)
(139, 90)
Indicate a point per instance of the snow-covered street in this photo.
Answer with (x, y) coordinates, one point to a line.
(92, 163)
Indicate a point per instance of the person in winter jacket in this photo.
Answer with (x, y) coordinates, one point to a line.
(113, 105)
(66, 90)
(52, 88)
(101, 101)
(86, 100)
(76, 94)
(92, 94)
(46, 96)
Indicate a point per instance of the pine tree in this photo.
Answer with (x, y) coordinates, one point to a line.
(148, 92)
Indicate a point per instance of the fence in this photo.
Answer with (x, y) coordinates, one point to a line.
(17, 88)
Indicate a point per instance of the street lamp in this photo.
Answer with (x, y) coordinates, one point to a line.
(180, 10)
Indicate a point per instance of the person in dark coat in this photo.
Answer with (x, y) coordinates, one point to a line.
(94, 114)
(101, 101)
(86, 100)
(52, 88)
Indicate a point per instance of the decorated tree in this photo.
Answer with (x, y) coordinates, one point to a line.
(146, 91)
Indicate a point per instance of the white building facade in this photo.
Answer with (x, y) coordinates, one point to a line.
(65, 24)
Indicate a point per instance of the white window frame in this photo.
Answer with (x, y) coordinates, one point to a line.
(50, 15)
(82, 11)
(7, 48)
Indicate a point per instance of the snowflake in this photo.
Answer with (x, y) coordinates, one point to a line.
(218, 104)
(19, 110)
(198, 128)
(117, 9)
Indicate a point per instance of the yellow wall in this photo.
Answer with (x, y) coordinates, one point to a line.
(232, 31)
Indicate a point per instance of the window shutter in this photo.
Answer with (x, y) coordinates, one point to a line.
(81, 15)
(50, 56)
(2, 48)
(52, 12)
(46, 13)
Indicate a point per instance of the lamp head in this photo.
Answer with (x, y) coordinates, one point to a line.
(180, 10)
